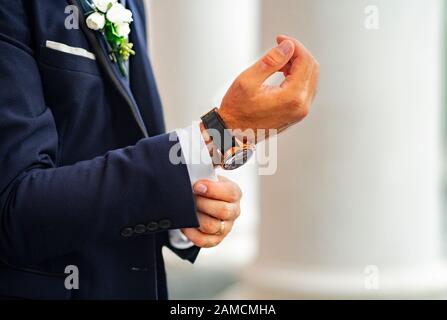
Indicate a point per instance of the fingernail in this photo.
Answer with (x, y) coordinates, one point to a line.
(200, 188)
(285, 47)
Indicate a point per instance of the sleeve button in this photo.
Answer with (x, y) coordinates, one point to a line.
(153, 226)
(165, 224)
(127, 232)
(140, 229)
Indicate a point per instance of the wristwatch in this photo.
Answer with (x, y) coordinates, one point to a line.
(227, 150)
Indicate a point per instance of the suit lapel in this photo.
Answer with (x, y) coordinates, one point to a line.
(142, 80)
(100, 47)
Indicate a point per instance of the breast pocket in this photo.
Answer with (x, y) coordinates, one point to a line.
(67, 58)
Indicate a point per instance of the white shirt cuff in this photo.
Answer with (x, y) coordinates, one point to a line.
(200, 166)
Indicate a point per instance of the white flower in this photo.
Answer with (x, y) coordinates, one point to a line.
(118, 14)
(103, 5)
(122, 29)
(96, 21)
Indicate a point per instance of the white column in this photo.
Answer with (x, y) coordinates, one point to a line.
(198, 48)
(354, 210)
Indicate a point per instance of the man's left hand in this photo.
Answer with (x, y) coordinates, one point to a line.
(218, 206)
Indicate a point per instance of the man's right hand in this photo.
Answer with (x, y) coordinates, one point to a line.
(250, 104)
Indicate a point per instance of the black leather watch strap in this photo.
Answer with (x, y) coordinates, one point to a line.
(216, 128)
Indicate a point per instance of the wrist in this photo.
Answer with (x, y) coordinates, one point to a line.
(230, 123)
(240, 131)
(212, 148)
(226, 149)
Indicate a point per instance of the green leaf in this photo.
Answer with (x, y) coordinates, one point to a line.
(120, 47)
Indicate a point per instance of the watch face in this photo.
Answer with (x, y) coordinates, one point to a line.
(238, 159)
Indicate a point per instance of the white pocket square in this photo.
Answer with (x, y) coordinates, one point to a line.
(70, 50)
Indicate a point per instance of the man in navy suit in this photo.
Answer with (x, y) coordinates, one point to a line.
(86, 174)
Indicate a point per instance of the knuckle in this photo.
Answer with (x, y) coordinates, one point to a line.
(216, 242)
(200, 242)
(210, 243)
(304, 112)
(238, 212)
(210, 226)
(302, 98)
(226, 212)
(299, 105)
(234, 192)
(297, 101)
(205, 225)
(239, 194)
(272, 59)
(305, 97)
(240, 85)
(205, 244)
(234, 195)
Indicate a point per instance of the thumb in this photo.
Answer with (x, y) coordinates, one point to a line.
(271, 63)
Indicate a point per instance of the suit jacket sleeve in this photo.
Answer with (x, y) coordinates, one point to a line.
(48, 211)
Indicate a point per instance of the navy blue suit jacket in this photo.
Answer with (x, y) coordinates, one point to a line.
(85, 176)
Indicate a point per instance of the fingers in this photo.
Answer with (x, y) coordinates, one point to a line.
(303, 68)
(215, 202)
(286, 69)
(299, 49)
(269, 64)
(217, 209)
(204, 240)
(208, 224)
(213, 226)
(223, 190)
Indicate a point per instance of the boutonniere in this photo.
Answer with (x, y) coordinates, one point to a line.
(113, 20)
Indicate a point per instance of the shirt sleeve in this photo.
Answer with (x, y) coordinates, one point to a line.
(200, 166)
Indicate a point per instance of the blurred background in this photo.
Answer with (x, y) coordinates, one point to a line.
(355, 208)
